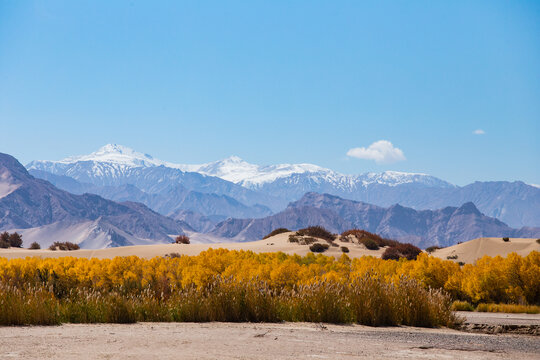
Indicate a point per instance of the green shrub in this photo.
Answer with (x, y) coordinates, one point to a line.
(452, 257)
(35, 246)
(276, 232)
(506, 239)
(318, 247)
(538, 241)
(344, 249)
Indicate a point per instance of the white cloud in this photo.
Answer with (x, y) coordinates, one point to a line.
(478, 132)
(381, 151)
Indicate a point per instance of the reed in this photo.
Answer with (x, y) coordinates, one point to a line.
(509, 308)
(222, 285)
(367, 301)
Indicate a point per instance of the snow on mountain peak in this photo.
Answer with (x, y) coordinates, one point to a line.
(116, 154)
(393, 178)
(119, 149)
(235, 169)
(234, 159)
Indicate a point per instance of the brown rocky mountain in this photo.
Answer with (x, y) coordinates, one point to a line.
(443, 227)
(43, 212)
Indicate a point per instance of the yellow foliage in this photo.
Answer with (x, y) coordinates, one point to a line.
(514, 279)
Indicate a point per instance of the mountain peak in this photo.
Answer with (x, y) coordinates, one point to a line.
(468, 208)
(234, 159)
(12, 175)
(116, 149)
(116, 154)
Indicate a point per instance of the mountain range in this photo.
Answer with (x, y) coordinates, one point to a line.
(44, 213)
(235, 188)
(41, 211)
(442, 227)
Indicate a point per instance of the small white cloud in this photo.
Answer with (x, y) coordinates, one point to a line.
(478, 132)
(381, 151)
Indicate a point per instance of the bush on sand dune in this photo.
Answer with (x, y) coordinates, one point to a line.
(276, 232)
(318, 232)
(182, 239)
(66, 246)
(363, 235)
(407, 251)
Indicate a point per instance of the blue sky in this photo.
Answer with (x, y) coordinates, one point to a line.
(278, 81)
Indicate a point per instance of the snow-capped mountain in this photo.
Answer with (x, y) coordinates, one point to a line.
(253, 176)
(260, 189)
(44, 213)
(118, 154)
(113, 161)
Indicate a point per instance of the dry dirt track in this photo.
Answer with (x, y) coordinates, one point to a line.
(257, 341)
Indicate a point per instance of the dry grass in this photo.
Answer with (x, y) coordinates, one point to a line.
(509, 308)
(223, 285)
(503, 308)
(462, 306)
(367, 300)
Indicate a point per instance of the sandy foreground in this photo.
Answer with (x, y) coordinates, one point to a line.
(264, 341)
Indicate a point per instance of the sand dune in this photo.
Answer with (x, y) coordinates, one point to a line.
(466, 252)
(273, 244)
(470, 251)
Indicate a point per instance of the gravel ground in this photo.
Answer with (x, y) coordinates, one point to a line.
(257, 341)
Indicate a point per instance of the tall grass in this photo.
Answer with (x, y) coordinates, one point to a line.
(222, 285)
(509, 308)
(503, 308)
(367, 300)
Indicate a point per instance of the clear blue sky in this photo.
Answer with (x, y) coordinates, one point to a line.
(277, 81)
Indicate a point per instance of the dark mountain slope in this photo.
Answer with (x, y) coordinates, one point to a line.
(36, 203)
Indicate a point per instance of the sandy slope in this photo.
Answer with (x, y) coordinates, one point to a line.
(470, 251)
(273, 244)
(467, 252)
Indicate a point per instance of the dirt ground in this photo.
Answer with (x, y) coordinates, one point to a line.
(260, 341)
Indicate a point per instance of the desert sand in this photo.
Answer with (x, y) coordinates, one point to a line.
(273, 244)
(468, 252)
(258, 341)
